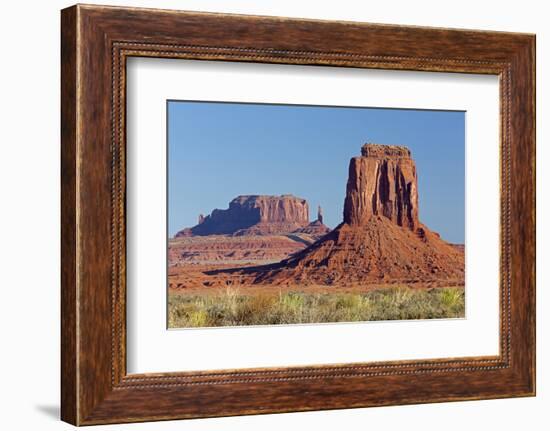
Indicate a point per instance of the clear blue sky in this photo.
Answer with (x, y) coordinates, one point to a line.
(217, 151)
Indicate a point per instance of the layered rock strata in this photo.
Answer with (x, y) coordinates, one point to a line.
(382, 181)
(226, 249)
(254, 215)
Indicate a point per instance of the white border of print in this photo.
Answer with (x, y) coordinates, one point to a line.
(153, 348)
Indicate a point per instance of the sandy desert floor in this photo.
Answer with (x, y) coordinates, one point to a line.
(208, 287)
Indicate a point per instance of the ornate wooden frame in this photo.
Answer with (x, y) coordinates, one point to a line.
(95, 42)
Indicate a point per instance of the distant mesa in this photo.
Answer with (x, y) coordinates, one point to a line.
(257, 215)
(381, 239)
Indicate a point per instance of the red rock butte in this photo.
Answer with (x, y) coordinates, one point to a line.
(381, 239)
(382, 181)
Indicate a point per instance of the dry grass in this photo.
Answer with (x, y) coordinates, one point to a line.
(232, 308)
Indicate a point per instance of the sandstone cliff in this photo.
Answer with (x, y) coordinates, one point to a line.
(254, 215)
(382, 182)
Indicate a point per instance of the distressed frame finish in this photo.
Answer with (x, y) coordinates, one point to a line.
(95, 42)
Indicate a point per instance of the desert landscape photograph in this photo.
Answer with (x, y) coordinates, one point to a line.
(295, 214)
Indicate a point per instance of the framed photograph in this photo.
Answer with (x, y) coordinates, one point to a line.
(264, 215)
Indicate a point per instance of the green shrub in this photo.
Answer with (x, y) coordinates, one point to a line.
(233, 308)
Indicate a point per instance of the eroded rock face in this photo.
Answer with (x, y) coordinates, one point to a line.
(382, 181)
(254, 215)
(378, 252)
(380, 240)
